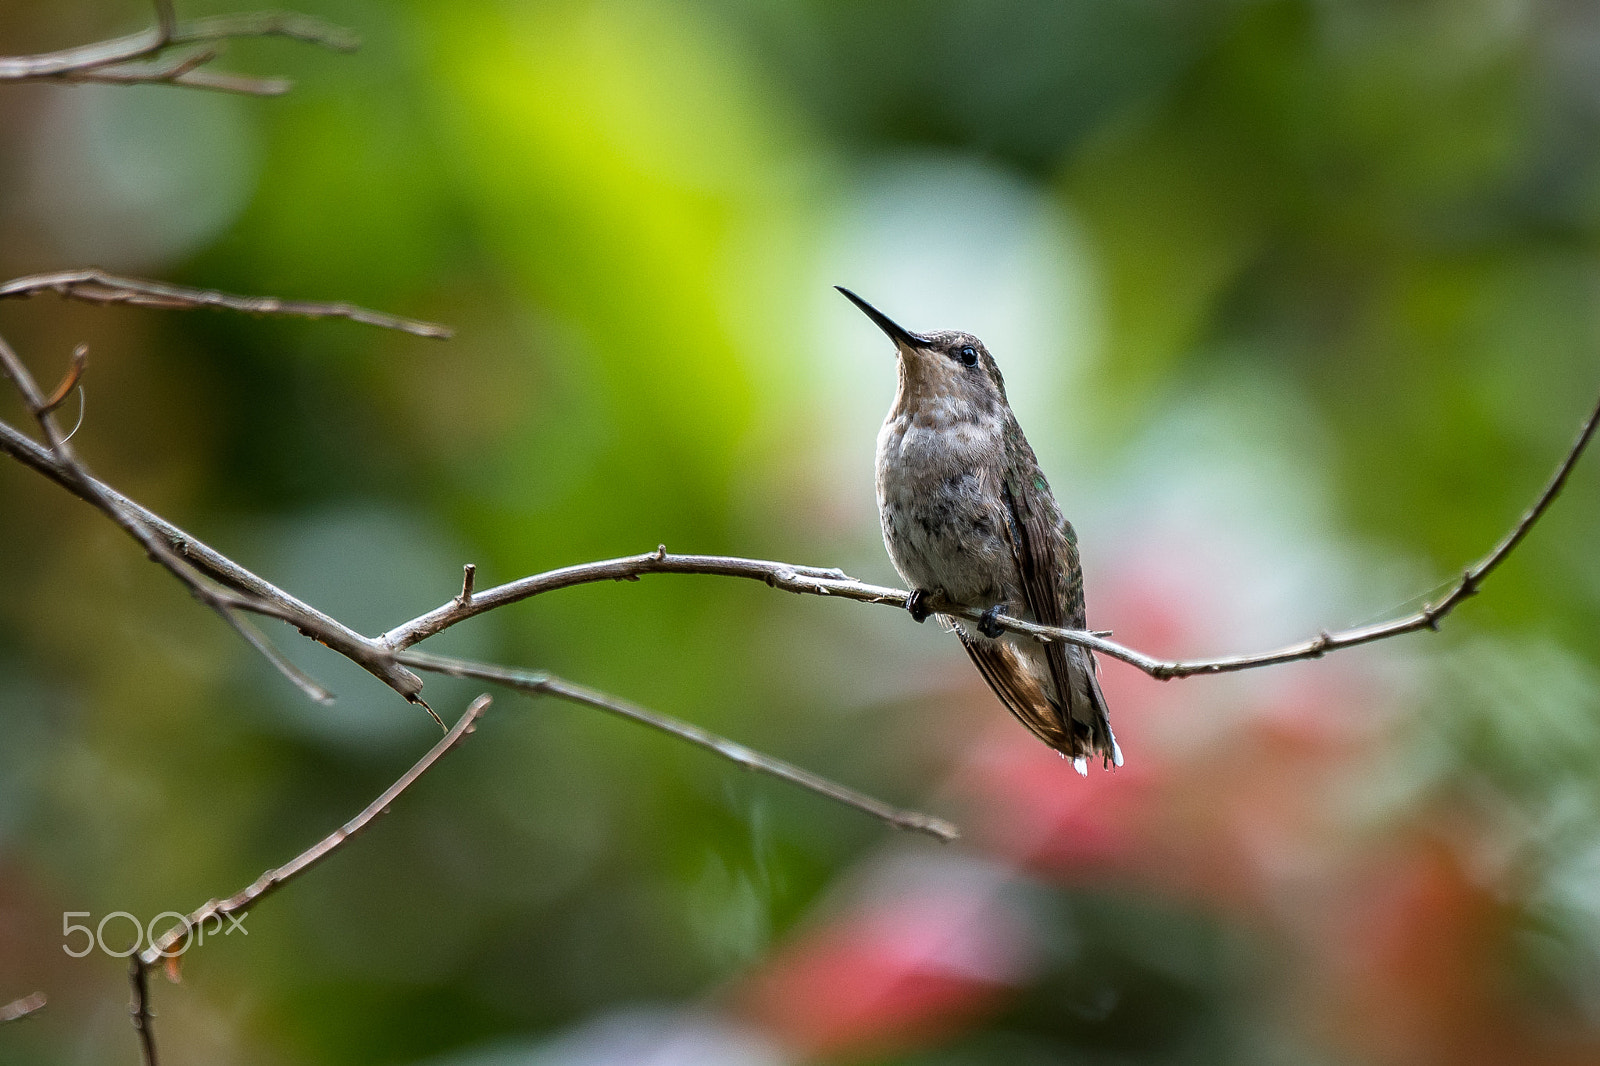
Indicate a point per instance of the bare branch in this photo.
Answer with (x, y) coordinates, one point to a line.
(790, 577)
(1428, 618)
(97, 286)
(117, 60)
(540, 683)
(274, 879)
(18, 1009)
(165, 543)
(378, 658)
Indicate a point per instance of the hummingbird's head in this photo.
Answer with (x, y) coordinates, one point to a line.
(945, 366)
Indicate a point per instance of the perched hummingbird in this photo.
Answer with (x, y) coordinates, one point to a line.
(967, 513)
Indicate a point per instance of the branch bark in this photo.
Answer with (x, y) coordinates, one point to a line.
(272, 880)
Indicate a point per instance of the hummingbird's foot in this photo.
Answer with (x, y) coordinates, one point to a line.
(989, 625)
(917, 604)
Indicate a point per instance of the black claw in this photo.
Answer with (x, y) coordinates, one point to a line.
(989, 625)
(917, 604)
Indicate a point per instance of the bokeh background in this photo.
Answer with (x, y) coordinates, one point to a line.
(1295, 298)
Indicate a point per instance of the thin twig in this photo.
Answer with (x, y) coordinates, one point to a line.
(183, 68)
(1428, 617)
(274, 879)
(139, 1009)
(541, 683)
(97, 286)
(118, 60)
(18, 1009)
(788, 576)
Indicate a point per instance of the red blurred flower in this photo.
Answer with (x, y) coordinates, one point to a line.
(917, 959)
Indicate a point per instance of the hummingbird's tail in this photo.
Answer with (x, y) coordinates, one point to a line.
(1075, 722)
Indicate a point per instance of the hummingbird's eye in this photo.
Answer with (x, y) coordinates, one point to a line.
(969, 355)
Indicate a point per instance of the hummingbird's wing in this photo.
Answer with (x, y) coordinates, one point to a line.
(1003, 667)
(1046, 553)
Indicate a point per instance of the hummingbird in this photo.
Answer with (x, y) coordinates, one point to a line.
(968, 515)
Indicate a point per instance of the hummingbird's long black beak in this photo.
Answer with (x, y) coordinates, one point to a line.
(896, 332)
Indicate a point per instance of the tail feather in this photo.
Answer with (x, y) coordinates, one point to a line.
(1088, 705)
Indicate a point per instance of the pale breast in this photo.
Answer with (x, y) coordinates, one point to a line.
(938, 500)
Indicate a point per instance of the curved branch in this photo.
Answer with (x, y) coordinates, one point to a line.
(540, 683)
(274, 879)
(817, 581)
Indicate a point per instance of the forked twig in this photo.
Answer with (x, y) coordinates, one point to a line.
(139, 57)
